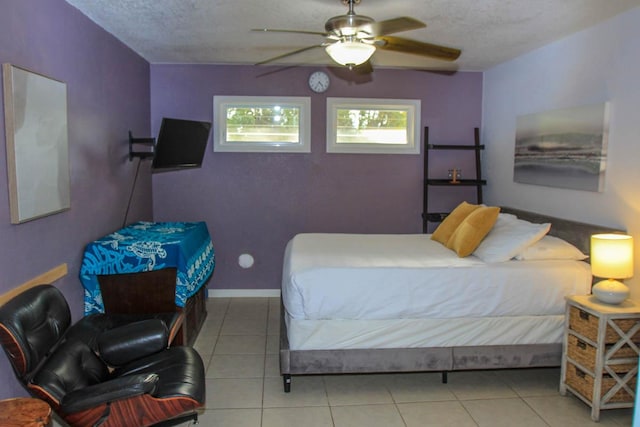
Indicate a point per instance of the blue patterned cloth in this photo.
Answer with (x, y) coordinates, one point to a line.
(147, 246)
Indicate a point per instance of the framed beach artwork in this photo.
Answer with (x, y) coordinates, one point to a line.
(564, 148)
(37, 144)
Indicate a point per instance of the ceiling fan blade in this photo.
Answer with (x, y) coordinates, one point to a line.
(397, 44)
(270, 30)
(390, 26)
(275, 58)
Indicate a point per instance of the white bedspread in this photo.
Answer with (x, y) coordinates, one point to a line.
(357, 276)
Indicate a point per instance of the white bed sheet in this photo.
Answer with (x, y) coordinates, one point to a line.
(419, 333)
(374, 277)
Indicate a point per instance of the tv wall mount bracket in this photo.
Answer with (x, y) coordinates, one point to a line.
(142, 155)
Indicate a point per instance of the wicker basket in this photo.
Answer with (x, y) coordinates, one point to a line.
(583, 383)
(585, 354)
(586, 324)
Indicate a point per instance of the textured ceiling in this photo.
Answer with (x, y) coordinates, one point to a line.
(218, 31)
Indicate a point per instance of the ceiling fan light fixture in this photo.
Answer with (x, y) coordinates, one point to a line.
(350, 53)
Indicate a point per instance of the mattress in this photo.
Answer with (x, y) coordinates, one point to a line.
(419, 333)
(383, 277)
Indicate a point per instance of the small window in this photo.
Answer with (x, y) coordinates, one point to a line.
(262, 124)
(383, 126)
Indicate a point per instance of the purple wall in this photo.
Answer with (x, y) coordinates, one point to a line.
(255, 202)
(107, 95)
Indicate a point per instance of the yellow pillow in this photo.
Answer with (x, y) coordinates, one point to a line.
(446, 228)
(466, 238)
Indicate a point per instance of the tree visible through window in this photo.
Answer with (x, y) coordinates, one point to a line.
(371, 126)
(363, 125)
(272, 124)
(261, 124)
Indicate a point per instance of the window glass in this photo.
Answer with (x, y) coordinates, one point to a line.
(261, 124)
(373, 126)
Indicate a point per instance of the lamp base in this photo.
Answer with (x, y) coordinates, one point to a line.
(610, 291)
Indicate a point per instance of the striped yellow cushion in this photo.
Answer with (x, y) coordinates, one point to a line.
(446, 228)
(466, 238)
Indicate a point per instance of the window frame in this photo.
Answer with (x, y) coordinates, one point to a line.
(411, 106)
(221, 103)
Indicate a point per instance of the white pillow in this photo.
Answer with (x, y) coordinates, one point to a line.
(504, 218)
(550, 247)
(509, 238)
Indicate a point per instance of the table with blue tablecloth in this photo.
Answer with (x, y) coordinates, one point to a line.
(142, 247)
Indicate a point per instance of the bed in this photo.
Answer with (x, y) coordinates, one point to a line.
(341, 315)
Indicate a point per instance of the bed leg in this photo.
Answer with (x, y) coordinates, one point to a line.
(445, 378)
(286, 380)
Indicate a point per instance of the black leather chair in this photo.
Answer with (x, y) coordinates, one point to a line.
(92, 374)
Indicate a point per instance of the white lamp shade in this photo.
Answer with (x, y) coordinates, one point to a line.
(350, 52)
(612, 256)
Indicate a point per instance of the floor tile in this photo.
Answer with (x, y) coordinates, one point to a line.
(244, 326)
(435, 414)
(478, 385)
(305, 417)
(273, 344)
(418, 388)
(354, 390)
(274, 321)
(502, 413)
(235, 393)
(569, 411)
(272, 366)
(236, 366)
(213, 320)
(532, 382)
(240, 344)
(230, 418)
(216, 309)
(248, 308)
(309, 391)
(205, 343)
(367, 416)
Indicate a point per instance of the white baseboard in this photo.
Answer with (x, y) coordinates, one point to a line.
(244, 293)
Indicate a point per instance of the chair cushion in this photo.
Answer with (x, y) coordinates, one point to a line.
(90, 327)
(72, 366)
(122, 345)
(31, 324)
(180, 369)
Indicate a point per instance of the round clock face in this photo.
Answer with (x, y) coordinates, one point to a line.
(319, 81)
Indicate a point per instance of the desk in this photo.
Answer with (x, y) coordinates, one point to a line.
(24, 412)
(149, 267)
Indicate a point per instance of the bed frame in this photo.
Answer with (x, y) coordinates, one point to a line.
(439, 359)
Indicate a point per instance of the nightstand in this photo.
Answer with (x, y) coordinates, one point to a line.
(600, 352)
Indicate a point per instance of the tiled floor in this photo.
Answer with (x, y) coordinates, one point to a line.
(239, 345)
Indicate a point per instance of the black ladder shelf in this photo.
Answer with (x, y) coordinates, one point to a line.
(478, 182)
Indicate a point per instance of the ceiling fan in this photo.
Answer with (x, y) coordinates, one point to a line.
(351, 39)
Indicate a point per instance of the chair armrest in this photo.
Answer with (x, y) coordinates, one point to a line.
(122, 345)
(109, 391)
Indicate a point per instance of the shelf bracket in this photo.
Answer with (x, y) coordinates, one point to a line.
(142, 155)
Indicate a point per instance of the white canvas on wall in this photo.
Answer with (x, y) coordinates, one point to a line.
(564, 148)
(37, 144)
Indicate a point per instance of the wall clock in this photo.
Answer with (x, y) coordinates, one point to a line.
(319, 81)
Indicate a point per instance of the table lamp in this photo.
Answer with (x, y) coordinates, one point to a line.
(611, 258)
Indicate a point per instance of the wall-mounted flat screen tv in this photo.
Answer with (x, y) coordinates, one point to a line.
(180, 145)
